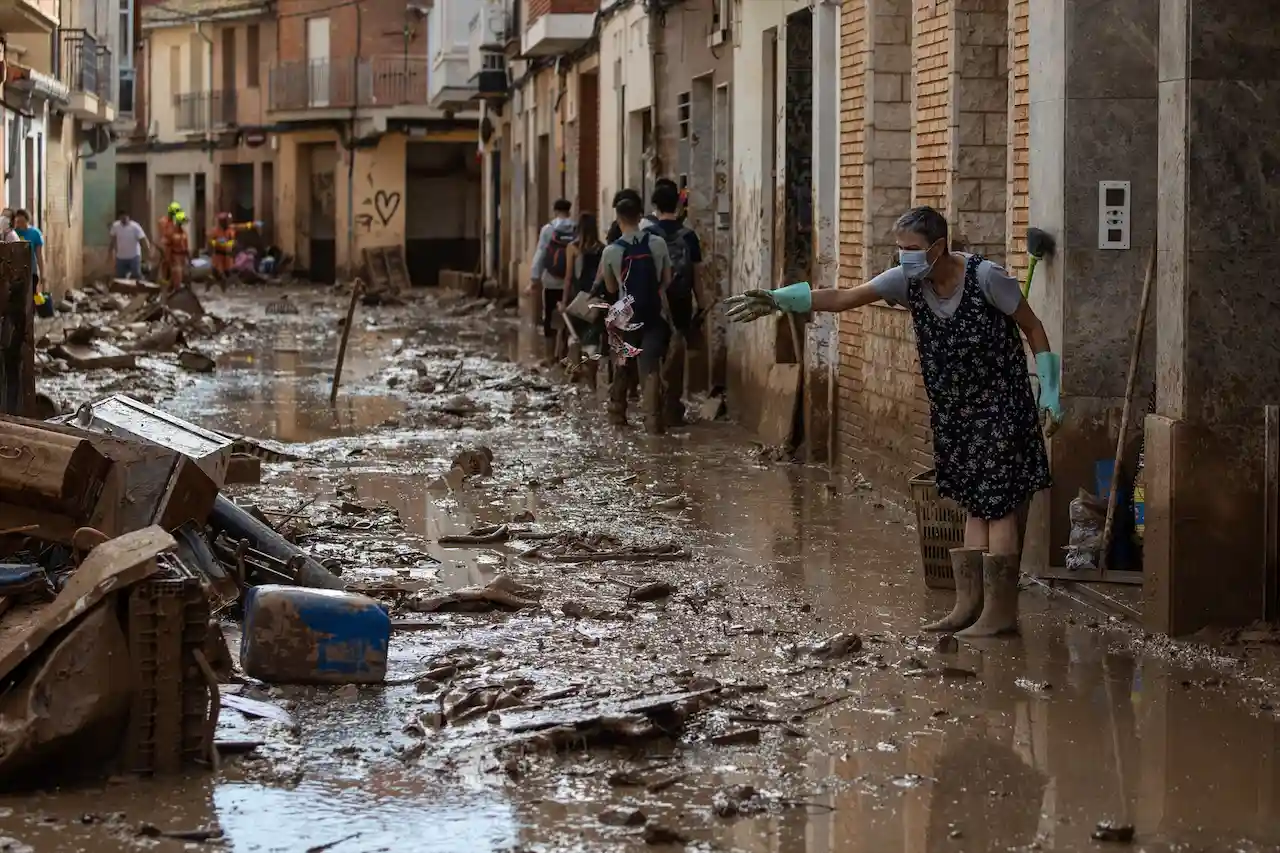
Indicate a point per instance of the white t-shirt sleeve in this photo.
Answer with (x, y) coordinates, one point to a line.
(1001, 289)
(891, 286)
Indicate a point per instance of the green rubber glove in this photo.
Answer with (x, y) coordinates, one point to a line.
(1048, 370)
(793, 299)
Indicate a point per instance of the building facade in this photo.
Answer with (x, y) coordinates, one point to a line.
(375, 135)
(59, 95)
(803, 129)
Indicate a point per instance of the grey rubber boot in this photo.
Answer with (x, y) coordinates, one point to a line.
(966, 566)
(1000, 591)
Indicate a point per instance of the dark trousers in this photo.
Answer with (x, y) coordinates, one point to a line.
(644, 371)
(550, 308)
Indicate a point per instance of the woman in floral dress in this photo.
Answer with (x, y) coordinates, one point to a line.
(989, 453)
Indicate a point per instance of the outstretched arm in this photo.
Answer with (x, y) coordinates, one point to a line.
(799, 298)
(835, 299)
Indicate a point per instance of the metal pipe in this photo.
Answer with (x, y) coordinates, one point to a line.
(351, 145)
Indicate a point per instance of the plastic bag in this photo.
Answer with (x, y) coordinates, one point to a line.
(1088, 516)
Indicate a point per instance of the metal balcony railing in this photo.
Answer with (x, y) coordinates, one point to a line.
(195, 112)
(78, 60)
(106, 73)
(381, 81)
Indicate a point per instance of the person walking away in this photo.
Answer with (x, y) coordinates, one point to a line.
(685, 250)
(637, 272)
(651, 219)
(584, 266)
(988, 443)
(550, 261)
(31, 234)
(222, 243)
(126, 245)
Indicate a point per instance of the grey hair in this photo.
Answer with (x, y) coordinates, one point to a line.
(925, 221)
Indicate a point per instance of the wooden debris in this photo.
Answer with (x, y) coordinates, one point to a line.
(739, 736)
(97, 355)
(500, 593)
(255, 708)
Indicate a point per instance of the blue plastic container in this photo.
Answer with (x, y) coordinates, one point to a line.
(299, 635)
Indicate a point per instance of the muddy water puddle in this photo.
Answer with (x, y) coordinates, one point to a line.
(1012, 745)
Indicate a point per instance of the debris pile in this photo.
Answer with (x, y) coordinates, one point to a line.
(120, 321)
(116, 552)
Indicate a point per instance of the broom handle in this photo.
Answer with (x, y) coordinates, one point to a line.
(1134, 355)
(1031, 273)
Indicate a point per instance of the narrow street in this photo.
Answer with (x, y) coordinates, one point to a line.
(812, 715)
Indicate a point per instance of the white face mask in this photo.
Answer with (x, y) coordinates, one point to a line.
(915, 263)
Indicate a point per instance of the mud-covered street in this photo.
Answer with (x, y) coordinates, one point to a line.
(682, 642)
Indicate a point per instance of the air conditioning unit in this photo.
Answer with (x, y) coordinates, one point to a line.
(721, 23)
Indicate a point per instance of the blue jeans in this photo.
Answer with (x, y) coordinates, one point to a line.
(129, 268)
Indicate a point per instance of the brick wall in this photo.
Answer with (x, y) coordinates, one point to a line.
(854, 59)
(980, 136)
(380, 24)
(1019, 136)
(933, 36)
(881, 402)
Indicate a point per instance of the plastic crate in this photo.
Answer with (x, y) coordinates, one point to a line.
(168, 619)
(940, 526)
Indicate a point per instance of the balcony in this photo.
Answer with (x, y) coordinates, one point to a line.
(28, 16)
(488, 61)
(557, 31)
(200, 112)
(87, 69)
(321, 88)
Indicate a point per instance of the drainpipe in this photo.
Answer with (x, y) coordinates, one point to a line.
(657, 58)
(562, 76)
(208, 130)
(351, 144)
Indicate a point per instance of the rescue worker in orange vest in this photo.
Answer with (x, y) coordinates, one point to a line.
(177, 251)
(164, 230)
(222, 242)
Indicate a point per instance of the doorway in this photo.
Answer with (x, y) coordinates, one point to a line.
(443, 210)
(267, 192)
(318, 62)
(235, 192)
(199, 212)
(320, 213)
(798, 157)
(589, 142)
(495, 213)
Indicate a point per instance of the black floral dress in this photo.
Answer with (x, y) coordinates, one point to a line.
(987, 446)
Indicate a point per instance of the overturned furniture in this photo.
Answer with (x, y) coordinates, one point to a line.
(111, 675)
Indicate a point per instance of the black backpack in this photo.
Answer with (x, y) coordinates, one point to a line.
(557, 253)
(640, 277)
(681, 266)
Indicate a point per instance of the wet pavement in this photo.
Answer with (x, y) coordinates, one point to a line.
(1022, 744)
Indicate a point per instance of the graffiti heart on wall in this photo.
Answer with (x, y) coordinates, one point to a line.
(385, 206)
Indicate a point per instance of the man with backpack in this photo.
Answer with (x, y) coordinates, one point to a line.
(685, 250)
(637, 266)
(551, 261)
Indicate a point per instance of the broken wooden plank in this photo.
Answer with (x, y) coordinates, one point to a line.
(97, 355)
(129, 287)
(778, 414)
(110, 566)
